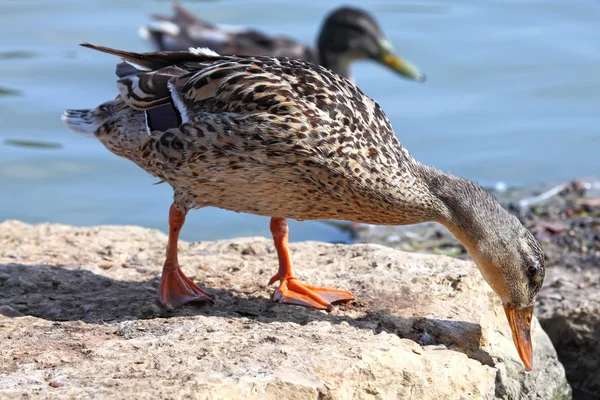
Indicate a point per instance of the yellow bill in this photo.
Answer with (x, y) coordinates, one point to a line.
(405, 68)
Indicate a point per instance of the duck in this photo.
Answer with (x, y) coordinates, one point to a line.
(348, 34)
(285, 138)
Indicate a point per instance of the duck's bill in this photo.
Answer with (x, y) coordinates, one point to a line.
(520, 325)
(403, 67)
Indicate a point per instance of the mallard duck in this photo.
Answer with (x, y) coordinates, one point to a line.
(348, 34)
(289, 139)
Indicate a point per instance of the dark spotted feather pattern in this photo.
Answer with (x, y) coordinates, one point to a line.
(275, 129)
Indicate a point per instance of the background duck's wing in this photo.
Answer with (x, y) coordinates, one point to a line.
(184, 30)
(181, 16)
(255, 43)
(181, 31)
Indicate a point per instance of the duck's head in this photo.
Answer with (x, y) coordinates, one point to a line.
(514, 268)
(509, 257)
(511, 261)
(350, 34)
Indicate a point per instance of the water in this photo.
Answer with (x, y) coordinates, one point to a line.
(513, 95)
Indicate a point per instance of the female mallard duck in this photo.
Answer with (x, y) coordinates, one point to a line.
(348, 34)
(289, 139)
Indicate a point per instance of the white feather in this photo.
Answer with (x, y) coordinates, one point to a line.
(148, 130)
(203, 51)
(178, 103)
(140, 67)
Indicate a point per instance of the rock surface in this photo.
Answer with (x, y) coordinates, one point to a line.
(569, 311)
(79, 318)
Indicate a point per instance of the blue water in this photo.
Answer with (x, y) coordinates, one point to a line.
(513, 95)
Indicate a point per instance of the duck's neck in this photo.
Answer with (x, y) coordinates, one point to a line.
(480, 223)
(338, 63)
(469, 212)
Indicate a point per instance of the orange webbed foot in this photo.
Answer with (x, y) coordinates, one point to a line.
(292, 291)
(177, 289)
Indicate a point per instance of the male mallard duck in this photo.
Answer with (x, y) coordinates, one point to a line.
(348, 34)
(289, 139)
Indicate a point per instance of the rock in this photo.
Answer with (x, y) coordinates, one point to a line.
(569, 310)
(422, 327)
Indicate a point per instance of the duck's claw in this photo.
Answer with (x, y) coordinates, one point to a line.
(291, 291)
(177, 289)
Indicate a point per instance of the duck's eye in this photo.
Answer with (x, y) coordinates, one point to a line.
(531, 271)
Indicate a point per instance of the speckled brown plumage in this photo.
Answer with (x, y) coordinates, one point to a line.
(289, 139)
(260, 123)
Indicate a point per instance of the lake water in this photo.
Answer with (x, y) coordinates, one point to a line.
(513, 95)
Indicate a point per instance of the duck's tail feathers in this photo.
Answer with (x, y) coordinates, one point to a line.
(82, 122)
(156, 60)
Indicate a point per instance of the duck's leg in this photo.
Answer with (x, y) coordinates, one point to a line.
(290, 290)
(175, 288)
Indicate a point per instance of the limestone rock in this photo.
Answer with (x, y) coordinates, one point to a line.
(569, 310)
(79, 318)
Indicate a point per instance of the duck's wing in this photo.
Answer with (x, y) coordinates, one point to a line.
(181, 31)
(185, 30)
(144, 81)
(251, 42)
(280, 105)
(181, 15)
(200, 80)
